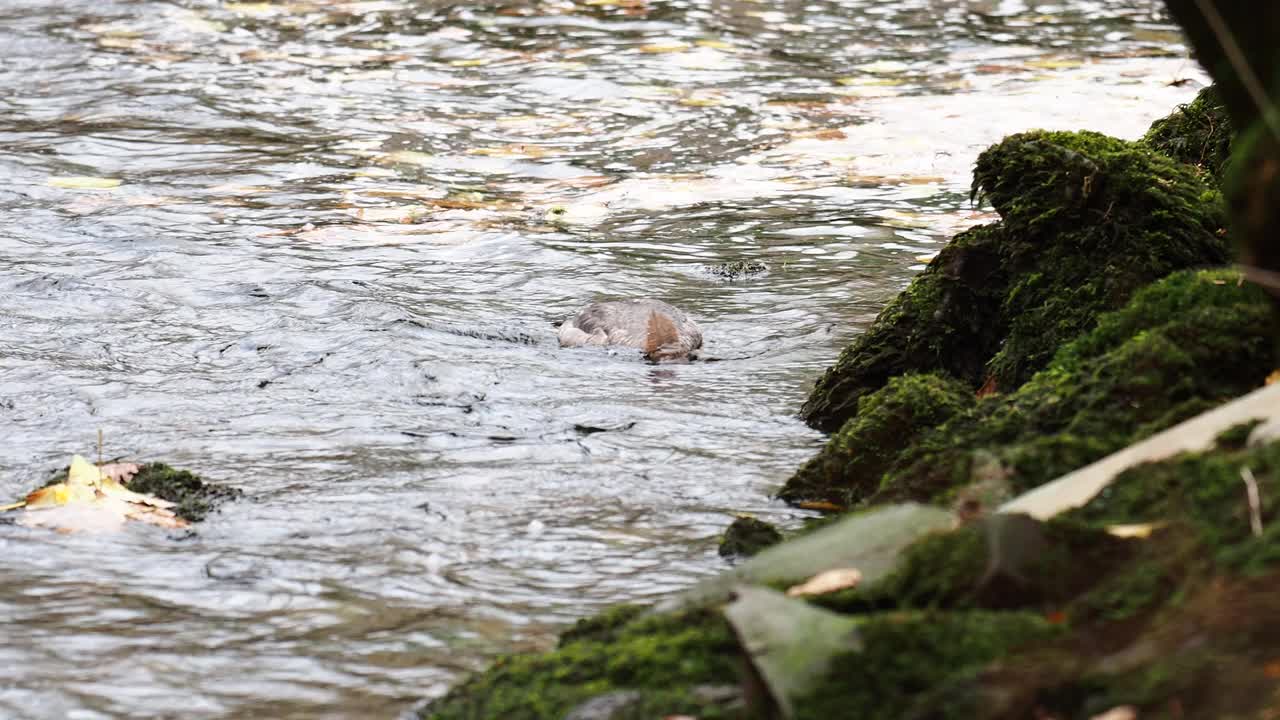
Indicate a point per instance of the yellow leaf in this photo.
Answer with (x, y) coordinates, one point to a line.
(884, 66)
(1055, 63)
(83, 182)
(83, 473)
(113, 489)
(667, 47)
(870, 82)
(714, 44)
(409, 157)
(699, 101)
(474, 62)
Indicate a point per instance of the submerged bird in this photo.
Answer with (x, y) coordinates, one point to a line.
(660, 330)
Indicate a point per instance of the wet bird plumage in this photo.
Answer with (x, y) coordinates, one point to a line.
(661, 331)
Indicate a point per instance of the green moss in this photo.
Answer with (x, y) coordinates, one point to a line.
(1236, 436)
(665, 656)
(992, 620)
(747, 536)
(1205, 494)
(1086, 220)
(852, 463)
(602, 626)
(1198, 133)
(195, 498)
(998, 562)
(736, 270)
(946, 320)
(1095, 218)
(907, 654)
(1188, 342)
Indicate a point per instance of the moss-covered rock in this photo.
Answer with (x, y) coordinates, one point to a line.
(747, 536)
(670, 659)
(194, 497)
(1002, 618)
(1198, 133)
(1086, 220)
(946, 320)
(1181, 346)
(853, 461)
(1183, 626)
(1096, 219)
(906, 654)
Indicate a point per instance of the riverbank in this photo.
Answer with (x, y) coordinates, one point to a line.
(1095, 313)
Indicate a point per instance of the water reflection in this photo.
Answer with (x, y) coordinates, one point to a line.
(329, 272)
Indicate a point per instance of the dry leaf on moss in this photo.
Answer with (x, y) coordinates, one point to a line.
(828, 581)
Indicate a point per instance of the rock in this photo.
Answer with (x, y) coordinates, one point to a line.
(1179, 347)
(747, 536)
(737, 270)
(194, 497)
(1086, 220)
(850, 467)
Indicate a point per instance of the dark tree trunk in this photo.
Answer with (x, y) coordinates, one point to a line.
(1248, 78)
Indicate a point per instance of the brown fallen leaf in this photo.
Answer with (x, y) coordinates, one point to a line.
(826, 582)
(820, 505)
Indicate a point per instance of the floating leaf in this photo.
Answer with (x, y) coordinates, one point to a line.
(94, 498)
(1055, 63)
(668, 47)
(395, 214)
(410, 157)
(884, 66)
(83, 182)
(514, 150)
(789, 643)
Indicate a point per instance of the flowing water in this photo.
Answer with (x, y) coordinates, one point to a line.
(315, 250)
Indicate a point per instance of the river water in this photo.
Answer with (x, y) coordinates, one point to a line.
(315, 250)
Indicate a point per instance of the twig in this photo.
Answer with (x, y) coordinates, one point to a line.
(13, 506)
(1238, 60)
(1255, 504)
